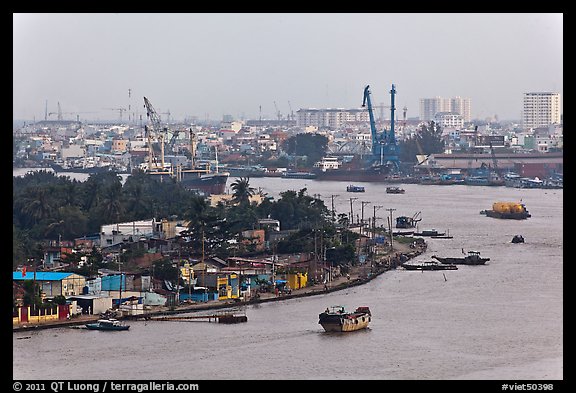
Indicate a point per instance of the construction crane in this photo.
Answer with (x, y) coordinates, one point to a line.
(384, 147)
(120, 110)
(60, 113)
(60, 117)
(154, 132)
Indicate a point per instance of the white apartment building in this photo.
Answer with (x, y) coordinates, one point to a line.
(429, 107)
(333, 118)
(449, 120)
(541, 109)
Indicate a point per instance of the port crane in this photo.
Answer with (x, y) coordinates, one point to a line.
(384, 147)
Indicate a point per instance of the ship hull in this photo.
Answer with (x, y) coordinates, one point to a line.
(210, 183)
(201, 182)
(508, 216)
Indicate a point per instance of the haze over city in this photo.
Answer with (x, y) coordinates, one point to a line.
(206, 65)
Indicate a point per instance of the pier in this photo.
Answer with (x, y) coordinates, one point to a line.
(219, 317)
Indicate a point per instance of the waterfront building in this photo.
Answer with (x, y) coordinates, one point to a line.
(541, 109)
(53, 283)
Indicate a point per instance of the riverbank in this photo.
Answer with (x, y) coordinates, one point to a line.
(358, 275)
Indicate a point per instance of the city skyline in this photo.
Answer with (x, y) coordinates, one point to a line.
(100, 66)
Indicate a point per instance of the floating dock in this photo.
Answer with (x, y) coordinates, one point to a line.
(222, 317)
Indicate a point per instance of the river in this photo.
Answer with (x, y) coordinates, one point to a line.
(499, 321)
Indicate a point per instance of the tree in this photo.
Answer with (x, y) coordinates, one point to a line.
(427, 141)
(313, 146)
(242, 190)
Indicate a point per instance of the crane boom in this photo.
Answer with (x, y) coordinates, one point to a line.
(373, 130)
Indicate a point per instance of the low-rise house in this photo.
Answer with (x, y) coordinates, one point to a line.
(54, 283)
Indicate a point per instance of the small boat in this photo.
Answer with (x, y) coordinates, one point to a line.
(107, 324)
(518, 239)
(353, 188)
(298, 175)
(430, 232)
(394, 190)
(473, 258)
(442, 236)
(337, 319)
(429, 265)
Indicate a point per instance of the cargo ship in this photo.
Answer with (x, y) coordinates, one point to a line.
(507, 210)
(199, 177)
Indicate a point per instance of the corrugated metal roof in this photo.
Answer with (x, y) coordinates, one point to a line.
(41, 276)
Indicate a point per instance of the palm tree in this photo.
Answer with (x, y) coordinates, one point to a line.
(242, 190)
(37, 203)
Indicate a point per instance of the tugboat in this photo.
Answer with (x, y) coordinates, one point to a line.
(473, 258)
(337, 319)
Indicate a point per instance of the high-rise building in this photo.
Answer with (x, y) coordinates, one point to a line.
(430, 106)
(541, 109)
(461, 106)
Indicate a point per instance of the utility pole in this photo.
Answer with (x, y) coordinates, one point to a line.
(333, 213)
(390, 227)
(376, 207)
(120, 291)
(362, 221)
(352, 211)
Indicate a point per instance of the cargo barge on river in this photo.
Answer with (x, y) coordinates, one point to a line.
(337, 319)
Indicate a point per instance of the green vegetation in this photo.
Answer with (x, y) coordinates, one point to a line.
(427, 141)
(313, 146)
(48, 207)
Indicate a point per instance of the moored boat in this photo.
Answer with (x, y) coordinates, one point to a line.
(429, 265)
(394, 190)
(473, 258)
(337, 319)
(110, 324)
(429, 232)
(298, 175)
(353, 188)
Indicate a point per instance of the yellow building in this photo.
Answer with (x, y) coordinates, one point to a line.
(297, 280)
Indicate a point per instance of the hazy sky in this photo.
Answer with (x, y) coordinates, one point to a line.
(210, 64)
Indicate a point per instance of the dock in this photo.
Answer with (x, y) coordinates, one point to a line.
(220, 317)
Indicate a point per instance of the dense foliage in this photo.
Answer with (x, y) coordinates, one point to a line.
(427, 141)
(49, 207)
(313, 146)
